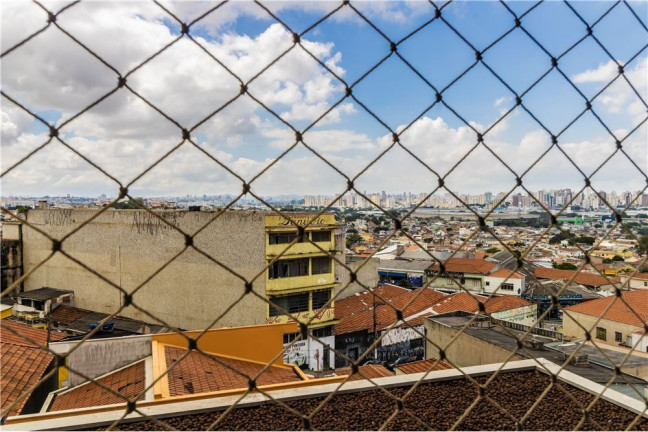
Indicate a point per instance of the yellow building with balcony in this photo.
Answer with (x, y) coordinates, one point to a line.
(301, 274)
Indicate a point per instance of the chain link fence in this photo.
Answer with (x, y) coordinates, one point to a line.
(186, 137)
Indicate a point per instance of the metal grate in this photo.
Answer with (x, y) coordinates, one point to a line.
(185, 136)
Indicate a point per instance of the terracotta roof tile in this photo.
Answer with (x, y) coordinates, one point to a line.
(643, 276)
(426, 365)
(619, 312)
(128, 382)
(506, 273)
(197, 373)
(582, 278)
(370, 371)
(33, 333)
(466, 265)
(462, 301)
(357, 302)
(385, 314)
(21, 366)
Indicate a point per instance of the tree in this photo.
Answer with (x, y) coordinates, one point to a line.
(617, 258)
(126, 205)
(352, 239)
(564, 266)
(492, 250)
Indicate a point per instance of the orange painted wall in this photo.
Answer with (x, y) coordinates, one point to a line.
(258, 343)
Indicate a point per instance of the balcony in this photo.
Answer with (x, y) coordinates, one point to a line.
(298, 249)
(297, 283)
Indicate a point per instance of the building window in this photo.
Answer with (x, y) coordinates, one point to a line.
(322, 332)
(321, 265)
(463, 281)
(321, 236)
(292, 304)
(487, 283)
(289, 337)
(507, 286)
(283, 238)
(320, 298)
(288, 268)
(618, 337)
(601, 333)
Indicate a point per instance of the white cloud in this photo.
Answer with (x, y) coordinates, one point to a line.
(603, 73)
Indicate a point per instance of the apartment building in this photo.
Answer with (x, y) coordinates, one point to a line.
(195, 287)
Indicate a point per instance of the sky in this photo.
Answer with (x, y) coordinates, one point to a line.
(56, 78)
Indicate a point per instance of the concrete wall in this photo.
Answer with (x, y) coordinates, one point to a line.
(97, 357)
(128, 246)
(368, 275)
(466, 350)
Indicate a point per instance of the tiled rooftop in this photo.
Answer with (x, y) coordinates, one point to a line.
(21, 367)
(129, 382)
(197, 373)
(582, 278)
(370, 371)
(426, 365)
(33, 333)
(462, 301)
(352, 304)
(506, 273)
(619, 311)
(466, 265)
(385, 315)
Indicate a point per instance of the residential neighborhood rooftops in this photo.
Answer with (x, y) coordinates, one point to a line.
(463, 301)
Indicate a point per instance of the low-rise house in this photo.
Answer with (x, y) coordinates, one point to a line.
(635, 281)
(619, 318)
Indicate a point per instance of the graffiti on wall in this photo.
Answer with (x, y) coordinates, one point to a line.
(59, 217)
(296, 354)
(402, 334)
(317, 315)
(146, 223)
(526, 315)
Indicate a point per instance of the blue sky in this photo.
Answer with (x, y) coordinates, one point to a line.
(125, 137)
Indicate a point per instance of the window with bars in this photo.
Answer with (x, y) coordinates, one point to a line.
(507, 287)
(321, 265)
(320, 298)
(291, 303)
(288, 268)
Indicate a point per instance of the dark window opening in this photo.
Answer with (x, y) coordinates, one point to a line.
(289, 337)
(320, 298)
(601, 333)
(618, 337)
(283, 238)
(321, 236)
(321, 265)
(322, 332)
(292, 304)
(507, 286)
(288, 268)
